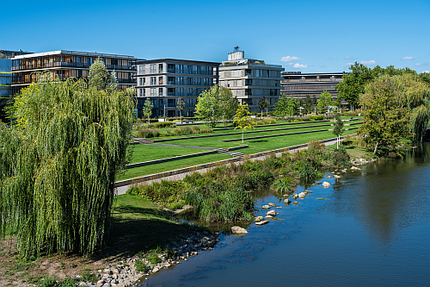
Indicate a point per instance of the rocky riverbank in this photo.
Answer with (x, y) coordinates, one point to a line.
(133, 270)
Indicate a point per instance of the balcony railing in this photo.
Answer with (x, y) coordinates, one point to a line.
(68, 64)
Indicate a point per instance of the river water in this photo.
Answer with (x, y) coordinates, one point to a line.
(372, 229)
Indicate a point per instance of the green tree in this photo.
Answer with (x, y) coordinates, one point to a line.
(147, 109)
(216, 104)
(180, 106)
(242, 119)
(324, 102)
(263, 104)
(338, 129)
(228, 105)
(98, 76)
(395, 108)
(58, 165)
(308, 104)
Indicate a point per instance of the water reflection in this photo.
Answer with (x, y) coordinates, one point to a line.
(392, 194)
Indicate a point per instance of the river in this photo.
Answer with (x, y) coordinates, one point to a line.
(372, 229)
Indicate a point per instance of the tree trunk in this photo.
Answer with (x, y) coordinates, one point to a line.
(376, 148)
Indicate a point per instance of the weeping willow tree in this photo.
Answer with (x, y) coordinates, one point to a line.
(395, 108)
(58, 164)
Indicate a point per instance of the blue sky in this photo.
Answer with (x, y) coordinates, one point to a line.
(307, 36)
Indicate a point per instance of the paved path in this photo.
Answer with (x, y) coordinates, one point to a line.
(123, 189)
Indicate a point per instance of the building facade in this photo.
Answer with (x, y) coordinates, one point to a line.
(250, 79)
(67, 64)
(163, 81)
(298, 85)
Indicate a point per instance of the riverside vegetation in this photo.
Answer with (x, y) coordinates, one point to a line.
(225, 193)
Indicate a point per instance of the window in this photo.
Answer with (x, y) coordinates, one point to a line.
(141, 69)
(171, 91)
(189, 69)
(171, 103)
(160, 80)
(142, 81)
(79, 60)
(142, 92)
(248, 92)
(153, 92)
(153, 68)
(171, 80)
(153, 81)
(160, 91)
(171, 68)
(248, 72)
(248, 82)
(160, 68)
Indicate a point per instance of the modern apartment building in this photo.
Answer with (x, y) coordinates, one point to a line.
(298, 85)
(163, 81)
(66, 64)
(250, 79)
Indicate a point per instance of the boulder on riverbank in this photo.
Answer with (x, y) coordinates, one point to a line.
(265, 207)
(295, 196)
(302, 195)
(258, 218)
(326, 184)
(271, 213)
(262, 222)
(238, 230)
(287, 201)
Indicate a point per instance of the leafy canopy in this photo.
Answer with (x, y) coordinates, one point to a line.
(58, 164)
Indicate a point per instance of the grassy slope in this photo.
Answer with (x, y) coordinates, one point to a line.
(150, 152)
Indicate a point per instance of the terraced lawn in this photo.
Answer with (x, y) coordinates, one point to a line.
(143, 152)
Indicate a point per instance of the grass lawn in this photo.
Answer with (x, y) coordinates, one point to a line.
(143, 152)
(166, 166)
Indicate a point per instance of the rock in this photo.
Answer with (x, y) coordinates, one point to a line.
(262, 222)
(355, 168)
(269, 217)
(337, 176)
(279, 207)
(328, 176)
(308, 191)
(302, 195)
(258, 218)
(295, 196)
(100, 283)
(154, 270)
(238, 230)
(106, 285)
(326, 184)
(295, 202)
(271, 213)
(271, 204)
(115, 271)
(265, 207)
(287, 201)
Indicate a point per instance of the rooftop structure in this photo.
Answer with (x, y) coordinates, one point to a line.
(250, 79)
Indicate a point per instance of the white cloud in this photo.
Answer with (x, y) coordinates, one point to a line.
(349, 64)
(333, 58)
(290, 64)
(348, 58)
(369, 63)
(300, 66)
(408, 58)
(290, 58)
(418, 64)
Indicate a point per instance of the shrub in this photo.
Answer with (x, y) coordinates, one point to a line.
(148, 133)
(282, 184)
(164, 124)
(316, 118)
(182, 131)
(141, 267)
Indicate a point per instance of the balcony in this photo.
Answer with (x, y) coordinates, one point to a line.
(68, 64)
(126, 81)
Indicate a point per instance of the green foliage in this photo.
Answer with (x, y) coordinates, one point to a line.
(316, 118)
(263, 104)
(148, 133)
(242, 119)
(216, 104)
(141, 267)
(58, 163)
(180, 106)
(153, 258)
(98, 76)
(395, 108)
(164, 125)
(285, 106)
(324, 102)
(147, 108)
(282, 184)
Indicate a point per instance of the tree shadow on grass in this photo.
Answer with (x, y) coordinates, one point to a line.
(134, 229)
(258, 141)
